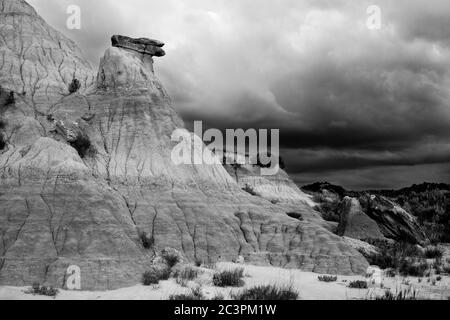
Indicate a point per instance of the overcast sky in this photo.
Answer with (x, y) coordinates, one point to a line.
(357, 107)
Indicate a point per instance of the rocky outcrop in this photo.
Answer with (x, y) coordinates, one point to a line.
(109, 211)
(278, 188)
(355, 223)
(376, 217)
(358, 211)
(365, 248)
(394, 222)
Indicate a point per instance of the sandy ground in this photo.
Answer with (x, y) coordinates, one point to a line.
(306, 283)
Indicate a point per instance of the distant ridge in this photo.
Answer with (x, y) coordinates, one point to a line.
(422, 187)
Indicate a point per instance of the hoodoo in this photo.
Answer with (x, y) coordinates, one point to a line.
(90, 200)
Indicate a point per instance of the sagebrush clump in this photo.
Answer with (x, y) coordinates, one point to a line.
(267, 292)
(188, 273)
(11, 99)
(170, 257)
(195, 294)
(43, 290)
(198, 262)
(404, 258)
(249, 189)
(328, 278)
(229, 278)
(147, 242)
(154, 275)
(82, 144)
(74, 86)
(358, 284)
(433, 253)
(402, 295)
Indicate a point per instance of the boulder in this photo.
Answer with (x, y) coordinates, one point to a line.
(354, 222)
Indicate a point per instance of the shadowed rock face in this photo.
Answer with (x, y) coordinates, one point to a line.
(355, 223)
(393, 221)
(358, 211)
(376, 217)
(58, 209)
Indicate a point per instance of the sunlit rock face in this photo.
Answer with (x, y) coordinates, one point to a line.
(87, 180)
(37, 61)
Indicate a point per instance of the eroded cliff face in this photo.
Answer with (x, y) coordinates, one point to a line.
(37, 61)
(277, 188)
(62, 204)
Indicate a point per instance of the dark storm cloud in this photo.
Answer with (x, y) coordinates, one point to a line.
(344, 97)
(316, 160)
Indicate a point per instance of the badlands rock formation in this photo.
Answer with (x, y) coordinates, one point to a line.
(91, 179)
(355, 223)
(394, 222)
(364, 215)
(278, 188)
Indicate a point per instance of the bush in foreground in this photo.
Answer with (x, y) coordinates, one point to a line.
(171, 257)
(147, 242)
(249, 189)
(82, 144)
(328, 278)
(229, 278)
(446, 269)
(195, 294)
(392, 255)
(402, 295)
(267, 292)
(433, 253)
(74, 86)
(358, 284)
(43, 290)
(155, 275)
(410, 268)
(187, 273)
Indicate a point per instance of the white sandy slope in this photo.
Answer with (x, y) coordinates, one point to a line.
(306, 283)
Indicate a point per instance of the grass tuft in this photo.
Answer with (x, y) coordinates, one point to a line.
(195, 294)
(267, 292)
